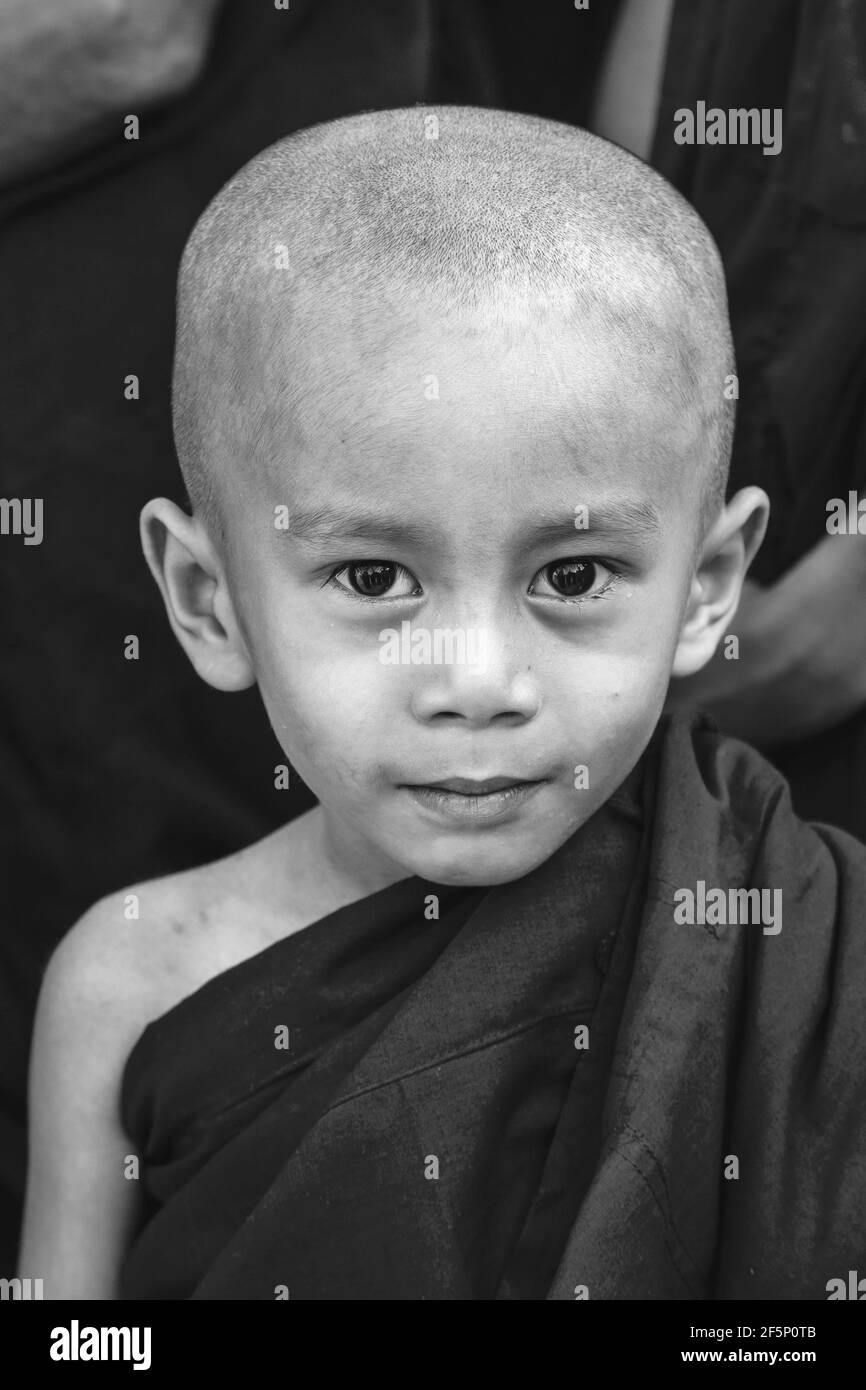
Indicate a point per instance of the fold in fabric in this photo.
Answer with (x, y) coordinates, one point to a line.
(539, 1094)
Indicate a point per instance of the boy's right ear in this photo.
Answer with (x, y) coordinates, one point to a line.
(193, 584)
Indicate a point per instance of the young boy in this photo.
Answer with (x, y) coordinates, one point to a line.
(550, 996)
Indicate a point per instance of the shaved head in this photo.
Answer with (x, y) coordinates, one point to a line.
(492, 219)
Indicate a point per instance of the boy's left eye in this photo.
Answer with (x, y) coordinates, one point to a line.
(575, 578)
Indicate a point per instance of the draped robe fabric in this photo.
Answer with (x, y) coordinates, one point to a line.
(540, 1093)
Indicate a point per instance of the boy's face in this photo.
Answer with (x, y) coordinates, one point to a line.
(530, 490)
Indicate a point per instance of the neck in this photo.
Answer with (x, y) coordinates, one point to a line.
(342, 869)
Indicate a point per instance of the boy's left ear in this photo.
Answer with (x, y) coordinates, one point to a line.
(725, 556)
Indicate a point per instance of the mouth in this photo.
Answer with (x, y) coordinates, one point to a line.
(467, 799)
(467, 786)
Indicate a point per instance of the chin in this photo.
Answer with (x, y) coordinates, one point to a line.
(471, 869)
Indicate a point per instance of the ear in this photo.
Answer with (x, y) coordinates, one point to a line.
(724, 558)
(192, 581)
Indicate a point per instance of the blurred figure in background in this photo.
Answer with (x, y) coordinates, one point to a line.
(791, 227)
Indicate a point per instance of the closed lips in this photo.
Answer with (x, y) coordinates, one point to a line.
(466, 787)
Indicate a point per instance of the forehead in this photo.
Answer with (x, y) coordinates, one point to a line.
(450, 412)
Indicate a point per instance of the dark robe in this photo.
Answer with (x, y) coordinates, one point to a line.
(439, 1127)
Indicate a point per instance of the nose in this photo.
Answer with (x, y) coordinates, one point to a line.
(492, 686)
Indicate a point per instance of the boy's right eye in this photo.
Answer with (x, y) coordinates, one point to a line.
(372, 579)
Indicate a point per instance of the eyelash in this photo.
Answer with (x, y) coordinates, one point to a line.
(365, 598)
(581, 599)
(615, 576)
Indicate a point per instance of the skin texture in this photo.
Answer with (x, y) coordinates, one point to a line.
(369, 221)
(567, 683)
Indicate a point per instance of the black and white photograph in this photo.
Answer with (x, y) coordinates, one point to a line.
(433, 762)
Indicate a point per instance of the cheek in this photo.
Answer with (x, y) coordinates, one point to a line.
(614, 684)
(323, 700)
(608, 705)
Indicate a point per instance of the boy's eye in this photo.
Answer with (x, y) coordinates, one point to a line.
(575, 579)
(375, 579)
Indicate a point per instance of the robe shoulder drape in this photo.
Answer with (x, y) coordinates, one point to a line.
(557, 1088)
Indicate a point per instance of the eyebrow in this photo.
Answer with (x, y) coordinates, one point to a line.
(320, 524)
(619, 518)
(622, 517)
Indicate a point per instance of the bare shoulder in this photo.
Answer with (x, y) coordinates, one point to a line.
(99, 967)
(129, 959)
(139, 951)
(97, 995)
